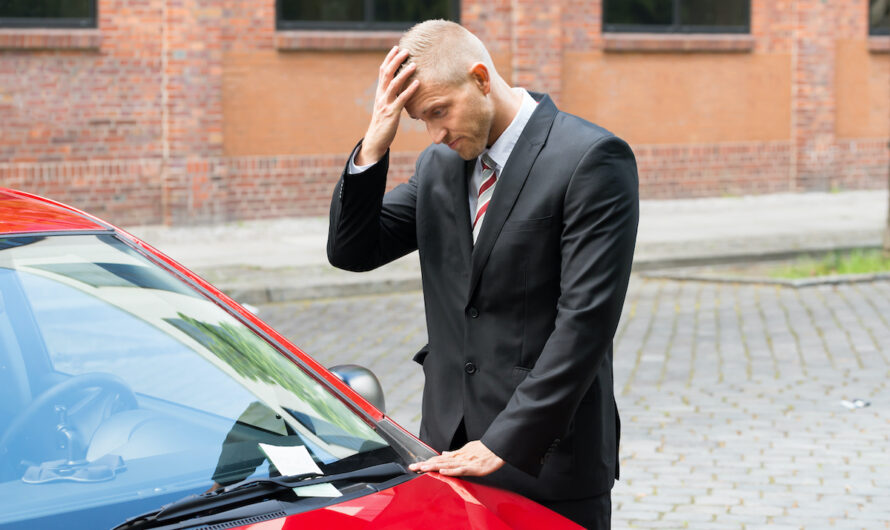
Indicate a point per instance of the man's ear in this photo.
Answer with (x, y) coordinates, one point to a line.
(480, 77)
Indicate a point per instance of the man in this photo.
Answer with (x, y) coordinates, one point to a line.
(525, 218)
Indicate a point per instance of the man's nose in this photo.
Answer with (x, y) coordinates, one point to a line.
(438, 133)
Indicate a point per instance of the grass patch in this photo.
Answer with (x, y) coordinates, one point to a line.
(867, 261)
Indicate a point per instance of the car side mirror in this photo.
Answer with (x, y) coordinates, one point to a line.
(363, 381)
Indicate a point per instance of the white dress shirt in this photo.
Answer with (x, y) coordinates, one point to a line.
(499, 151)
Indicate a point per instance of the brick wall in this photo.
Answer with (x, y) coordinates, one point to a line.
(727, 169)
(129, 121)
(126, 191)
(84, 94)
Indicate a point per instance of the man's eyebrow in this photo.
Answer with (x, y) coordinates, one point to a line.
(432, 106)
(423, 112)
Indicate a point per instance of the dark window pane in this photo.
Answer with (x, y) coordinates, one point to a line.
(323, 10)
(639, 12)
(412, 10)
(45, 8)
(714, 12)
(879, 16)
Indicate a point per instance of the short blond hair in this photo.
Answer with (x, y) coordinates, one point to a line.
(444, 51)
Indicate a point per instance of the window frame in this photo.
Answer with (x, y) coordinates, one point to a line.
(366, 25)
(88, 22)
(875, 31)
(674, 27)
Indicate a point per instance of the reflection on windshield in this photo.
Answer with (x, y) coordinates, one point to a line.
(241, 453)
(108, 360)
(253, 359)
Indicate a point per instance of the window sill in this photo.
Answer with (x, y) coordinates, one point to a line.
(50, 39)
(688, 43)
(299, 40)
(879, 44)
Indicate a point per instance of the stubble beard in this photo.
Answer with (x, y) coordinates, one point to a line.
(472, 145)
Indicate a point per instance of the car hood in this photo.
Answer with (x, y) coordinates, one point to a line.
(432, 501)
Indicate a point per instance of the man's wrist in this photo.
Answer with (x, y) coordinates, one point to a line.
(355, 167)
(368, 153)
(365, 159)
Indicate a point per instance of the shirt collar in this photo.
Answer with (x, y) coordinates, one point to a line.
(503, 146)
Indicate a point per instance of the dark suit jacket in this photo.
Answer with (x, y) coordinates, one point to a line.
(521, 324)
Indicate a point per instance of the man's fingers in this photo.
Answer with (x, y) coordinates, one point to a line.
(406, 94)
(389, 67)
(454, 472)
(392, 51)
(399, 79)
(386, 65)
(397, 83)
(387, 109)
(398, 93)
(474, 459)
(437, 463)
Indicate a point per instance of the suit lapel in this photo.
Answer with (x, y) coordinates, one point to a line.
(510, 183)
(458, 177)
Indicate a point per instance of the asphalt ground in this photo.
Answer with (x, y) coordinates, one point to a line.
(731, 396)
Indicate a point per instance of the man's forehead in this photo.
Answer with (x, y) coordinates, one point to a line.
(428, 93)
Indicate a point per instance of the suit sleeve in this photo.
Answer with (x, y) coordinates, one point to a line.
(369, 228)
(600, 216)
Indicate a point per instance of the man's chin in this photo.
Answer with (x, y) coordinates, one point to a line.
(468, 154)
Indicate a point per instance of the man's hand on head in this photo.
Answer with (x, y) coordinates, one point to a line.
(473, 460)
(389, 100)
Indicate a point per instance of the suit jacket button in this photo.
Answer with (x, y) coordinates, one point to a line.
(474, 313)
(470, 368)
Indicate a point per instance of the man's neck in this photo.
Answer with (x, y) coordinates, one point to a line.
(507, 103)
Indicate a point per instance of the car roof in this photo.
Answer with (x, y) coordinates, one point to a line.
(22, 213)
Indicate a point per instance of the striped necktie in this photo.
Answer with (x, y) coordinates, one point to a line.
(489, 179)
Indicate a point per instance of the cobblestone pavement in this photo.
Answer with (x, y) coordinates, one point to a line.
(730, 395)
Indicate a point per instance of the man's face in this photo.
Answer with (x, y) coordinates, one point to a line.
(460, 116)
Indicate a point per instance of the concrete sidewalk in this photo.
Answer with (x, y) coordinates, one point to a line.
(284, 259)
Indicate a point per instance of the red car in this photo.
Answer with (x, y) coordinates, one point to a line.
(133, 394)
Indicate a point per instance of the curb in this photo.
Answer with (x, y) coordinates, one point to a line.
(658, 263)
(796, 284)
(360, 285)
(258, 295)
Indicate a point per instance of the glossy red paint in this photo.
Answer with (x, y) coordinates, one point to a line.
(429, 501)
(23, 213)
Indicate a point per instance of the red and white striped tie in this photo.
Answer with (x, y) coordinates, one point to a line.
(489, 179)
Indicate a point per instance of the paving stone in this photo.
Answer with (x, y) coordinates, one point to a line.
(729, 396)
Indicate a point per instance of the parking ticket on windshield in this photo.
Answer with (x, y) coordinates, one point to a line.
(296, 460)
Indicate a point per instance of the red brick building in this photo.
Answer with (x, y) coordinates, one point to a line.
(192, 111)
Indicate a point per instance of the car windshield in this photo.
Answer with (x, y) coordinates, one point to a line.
(122, 388)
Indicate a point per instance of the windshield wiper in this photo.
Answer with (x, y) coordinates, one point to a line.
(251, 490)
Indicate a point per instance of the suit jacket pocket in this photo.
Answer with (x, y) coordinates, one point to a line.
(421, 354)
(522, 225)
(519, 374)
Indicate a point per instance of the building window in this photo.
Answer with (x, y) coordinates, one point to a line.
(677, 16)
(879, 17)
(48, 13)
(362, 14)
